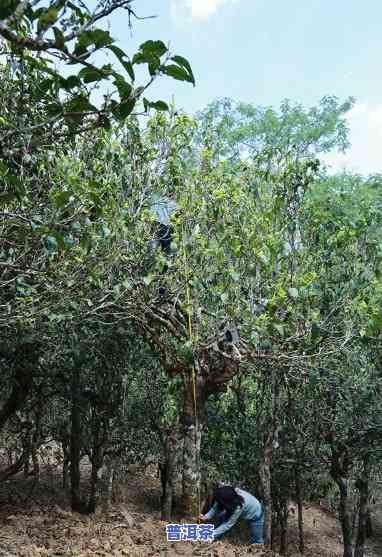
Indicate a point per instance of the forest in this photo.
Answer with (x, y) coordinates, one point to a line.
(187, 298)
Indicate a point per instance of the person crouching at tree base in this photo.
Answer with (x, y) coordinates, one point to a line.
(230, 505)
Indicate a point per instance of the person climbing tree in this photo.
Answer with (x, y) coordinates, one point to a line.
(231, 504)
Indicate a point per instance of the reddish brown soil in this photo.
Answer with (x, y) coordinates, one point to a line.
(35, 520)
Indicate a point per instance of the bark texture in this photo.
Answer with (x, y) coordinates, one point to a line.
(362, 485)
(339, 473)
(265, 468)
(168, 472)
(300, 516)
(192, 434)
(75, 444)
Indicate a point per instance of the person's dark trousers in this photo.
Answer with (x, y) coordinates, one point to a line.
(256, 527)
(220, 519)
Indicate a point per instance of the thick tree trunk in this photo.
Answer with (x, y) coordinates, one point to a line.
(345, 517)
(75, 444)
(271, 442)
(192, 434)
(26, 467)
(36, 438)
(273, 531)
(100, 434)
(65, 463)
(106, 482)
(97, 458)
(339, 473)
(64, 440)
(191, 473)
(284, 529)
(27, 447)
(265, 478)
(354, 515)
(35, 462)
(369, 524)
(65, 471)
(168, 472)
(299, 501)
(362, 485)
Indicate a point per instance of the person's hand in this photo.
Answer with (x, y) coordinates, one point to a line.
(201, 517)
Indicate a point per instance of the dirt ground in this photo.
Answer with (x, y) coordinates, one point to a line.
(35, 520)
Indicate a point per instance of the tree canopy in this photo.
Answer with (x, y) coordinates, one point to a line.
(197, 290)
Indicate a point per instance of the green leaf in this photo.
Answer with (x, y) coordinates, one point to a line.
(105, 231)
(125, 108)
(279, 328)
(98, 37)
(44, 87)
(6, 198)
(124, 88)
(83, 41)
(313, 378)
(293, 293)
(121, 57)
(315, 331)
(147, 58)
(105, 122)
(59, 37)
(51, 244)
(70, 83)
(158, 105)
(118, 52)
(137, 92)
(187, 354)
(101, 38)
(177, 73)
(185, 64)
(155, 47)
(80, 103)
(68, 242)
(150, 53)
(79, 13)
(88, 75)
(62, 198)
(7, 8)
(47, 19)
(3, 168)
(56, 317)
(130, 70)
(235, 276)
(148, 279)
(53, 109)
